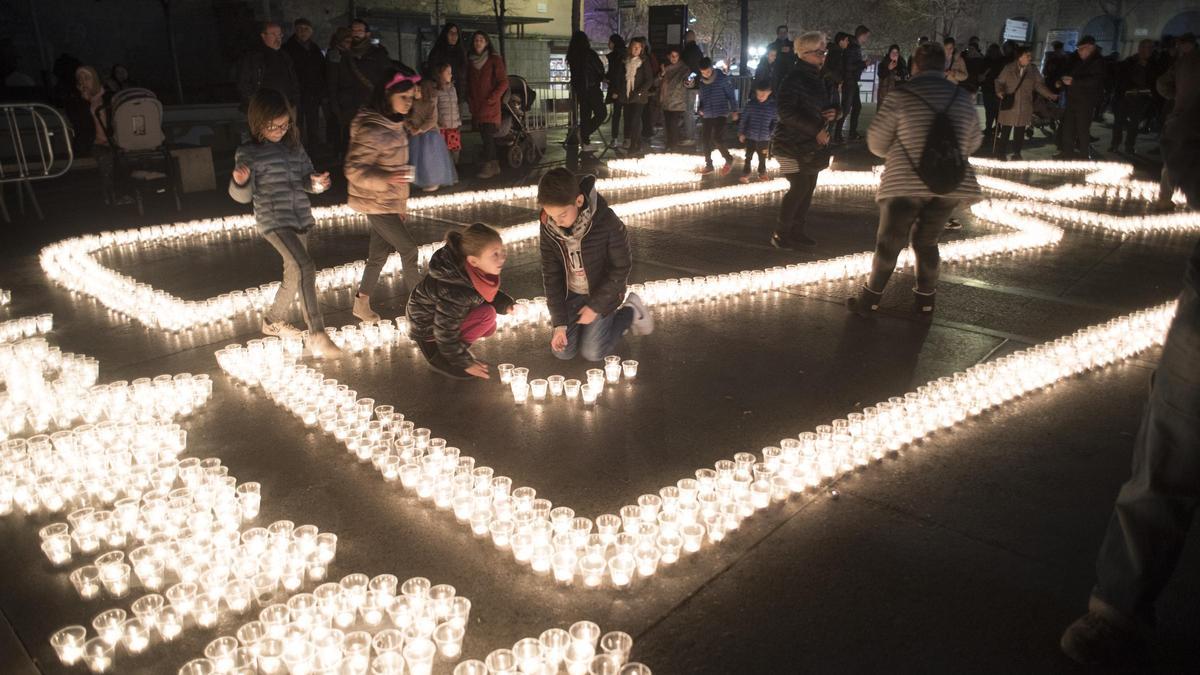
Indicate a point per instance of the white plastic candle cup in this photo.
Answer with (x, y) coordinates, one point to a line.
(554, 646)
(471, 667)
(108, 625)
(418, 656)
(448, 638)
(528, 653)
(589, 393)
(98, 655)
(579, 657)
(617, 643)
(460, 611)
(571, 388)
(86, 580)
(629, 369)
(390, 640)
(520, 391)
(555, 383)
(635, 668)
(586, 632)
(116, 579)
(170, 623)
(57, 549)
(501, 661)
(520, 374)
(605, 664)
(390, 663)
(68, 644)
(135, 636)
(270, 656)
(505, 370)
(621, 568)
(538, 388)
(611, 359)
(612, 372)
(221, 653)
(356, 652)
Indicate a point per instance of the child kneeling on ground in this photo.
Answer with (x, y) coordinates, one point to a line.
(456, 303)
(585, 266)
(267, 171)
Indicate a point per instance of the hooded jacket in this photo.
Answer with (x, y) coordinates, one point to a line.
(279, 178)
(605, 251)
(441, 302)
(758, 118)
(378, 148)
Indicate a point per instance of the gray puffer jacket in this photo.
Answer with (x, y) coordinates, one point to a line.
(280, 175)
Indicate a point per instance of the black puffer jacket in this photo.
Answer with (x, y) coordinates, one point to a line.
(606, 257)
(802, 96)
(440, 303)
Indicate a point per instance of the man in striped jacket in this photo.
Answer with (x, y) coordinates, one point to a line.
(907, 206)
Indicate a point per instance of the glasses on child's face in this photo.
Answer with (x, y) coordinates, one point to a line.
(272, 127)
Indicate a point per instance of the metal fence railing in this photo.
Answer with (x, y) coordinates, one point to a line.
(35, 144)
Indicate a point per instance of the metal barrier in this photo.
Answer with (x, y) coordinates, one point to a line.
(30, 152)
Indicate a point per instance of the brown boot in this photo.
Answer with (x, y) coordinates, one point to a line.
(489, 170)
(362, 309)
(322, 347)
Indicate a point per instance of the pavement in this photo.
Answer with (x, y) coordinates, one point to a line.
(969, 552)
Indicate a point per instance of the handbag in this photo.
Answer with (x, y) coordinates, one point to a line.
(1010, 99)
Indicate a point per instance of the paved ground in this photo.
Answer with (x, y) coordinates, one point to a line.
(968, 553)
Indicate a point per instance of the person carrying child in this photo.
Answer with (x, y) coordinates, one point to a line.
(585, 266)
(718, 103)
(274, 172)
(457, 301)
(378, 173)
(759, 117)
(427, 149)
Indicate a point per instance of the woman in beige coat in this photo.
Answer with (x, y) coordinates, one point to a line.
(1019, 79)
(378, 172)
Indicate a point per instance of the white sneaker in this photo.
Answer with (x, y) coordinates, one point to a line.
(643, 321)
(280, 329)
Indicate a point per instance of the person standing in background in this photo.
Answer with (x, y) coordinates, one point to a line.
(1085, 86)
(892, 71)
(487, 80)
(309, 63)
(1136, 76)
(587, 74)
(267, 66)
(691, 55)
(449, 48)
(853, 65)
(616, 84)
(337, 126)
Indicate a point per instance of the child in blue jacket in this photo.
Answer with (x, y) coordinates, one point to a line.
(718, 103)
(754, 130)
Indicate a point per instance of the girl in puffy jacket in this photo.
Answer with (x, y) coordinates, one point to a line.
(274, 172)
(456, 303)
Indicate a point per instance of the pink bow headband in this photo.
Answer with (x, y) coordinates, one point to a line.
(400, 78)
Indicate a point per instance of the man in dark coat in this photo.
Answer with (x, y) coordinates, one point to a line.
(357, 73)
(1135, 79)
(853, 65)
(309, 63)
(1084, 79)
(266, 66)
(691, 55)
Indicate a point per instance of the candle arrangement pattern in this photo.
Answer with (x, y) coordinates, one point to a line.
(579, 649)
(24, 327)
(358, 624)
(516, 379)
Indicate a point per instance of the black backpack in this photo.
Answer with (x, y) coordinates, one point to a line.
(942, 167)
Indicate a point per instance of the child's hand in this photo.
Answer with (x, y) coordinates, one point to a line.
(741, 138)
(241, 174)
(322, 180)
(480, 370)
(823, 137)
(586, 316)
(558, 341)
(404, 175)
(829, 114)
(734, 117)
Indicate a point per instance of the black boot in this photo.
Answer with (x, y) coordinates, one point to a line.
(866, 304)
(923, 303)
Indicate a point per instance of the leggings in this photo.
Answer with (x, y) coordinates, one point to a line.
(794, 207)
(299, 276)
(920, 219)
(389, 233)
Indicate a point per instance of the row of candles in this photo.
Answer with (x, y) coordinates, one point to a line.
(516, 379)
(24, 327)
(47, 389)
(72, 262)
(1166, 223)
(359, 624)
(614, 550)
(581, 649)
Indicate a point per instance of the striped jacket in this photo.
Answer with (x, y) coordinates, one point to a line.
(899, 129)
(758, 118)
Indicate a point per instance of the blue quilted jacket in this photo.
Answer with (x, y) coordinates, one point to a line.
(758, 119)
(280, 175)
(718, 98)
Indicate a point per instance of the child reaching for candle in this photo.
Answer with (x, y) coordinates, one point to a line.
(267, 172)
(457, 301)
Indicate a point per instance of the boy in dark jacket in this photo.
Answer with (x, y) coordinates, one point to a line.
(585, 265)
(755, 128)
(718, 103)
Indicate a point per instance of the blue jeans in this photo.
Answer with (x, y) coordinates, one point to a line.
(597, 339)
(1155, 508)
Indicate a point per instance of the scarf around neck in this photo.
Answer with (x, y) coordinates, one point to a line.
(631, 67)
(487, 285)
(477, 60)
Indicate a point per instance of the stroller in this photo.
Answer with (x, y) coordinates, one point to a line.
(137, 136)
(1047, 116)
(525, 144)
